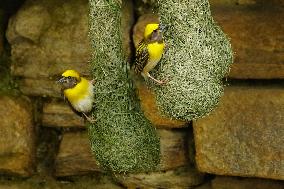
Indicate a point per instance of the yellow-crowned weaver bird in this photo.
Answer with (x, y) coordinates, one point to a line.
(79, 92)
(149, 51)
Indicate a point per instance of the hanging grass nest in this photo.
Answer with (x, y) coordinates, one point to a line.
(122, 139)
(198, 56)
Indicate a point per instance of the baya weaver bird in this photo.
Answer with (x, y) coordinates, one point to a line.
(149, 51)
(79, 92)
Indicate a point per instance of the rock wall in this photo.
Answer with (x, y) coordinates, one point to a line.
(43, 143)
(244, 135)
(17, 141)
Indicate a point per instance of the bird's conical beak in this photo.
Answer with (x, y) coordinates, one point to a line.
(61, 80)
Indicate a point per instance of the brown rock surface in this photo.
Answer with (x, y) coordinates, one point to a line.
(256, 32)
(206, 185)
(59, 114)
(222, 182)
(40, 87)
(96, 181)
(174, 148)
(17, 140)
(181, 178)
(246, 2)
(75, 155)
(48, 37)
(126, 25)
(245, 183)
(244, 135)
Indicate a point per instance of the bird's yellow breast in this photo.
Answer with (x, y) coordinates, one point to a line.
(79, 92)
(155, 51)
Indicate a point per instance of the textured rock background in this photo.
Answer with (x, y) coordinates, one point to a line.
(257, 41)
(2, 31)
(17, 140)
(222, 182)
(42, 139)
(244, 135)
(52, 34)
(59, 114)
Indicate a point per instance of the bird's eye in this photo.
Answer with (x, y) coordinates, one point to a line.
(69, 77)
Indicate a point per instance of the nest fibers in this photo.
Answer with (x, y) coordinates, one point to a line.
(197, 58)
(122, 139)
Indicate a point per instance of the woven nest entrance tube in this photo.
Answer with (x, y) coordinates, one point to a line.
(198, 57)
(122, 139)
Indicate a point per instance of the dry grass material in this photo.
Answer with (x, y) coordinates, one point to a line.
(122, 139)
(198, 57)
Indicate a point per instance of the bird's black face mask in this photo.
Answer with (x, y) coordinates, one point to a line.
(156, 36)
(67, 82)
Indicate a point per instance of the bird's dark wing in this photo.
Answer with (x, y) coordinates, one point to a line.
(141, 57)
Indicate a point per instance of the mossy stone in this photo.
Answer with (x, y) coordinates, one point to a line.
(122, 139)
(198, 57)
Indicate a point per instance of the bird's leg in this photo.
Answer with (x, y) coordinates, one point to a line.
(90, 119)
(160, 82)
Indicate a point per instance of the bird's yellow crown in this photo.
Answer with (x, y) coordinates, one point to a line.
(149, 29)
(71, 73)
